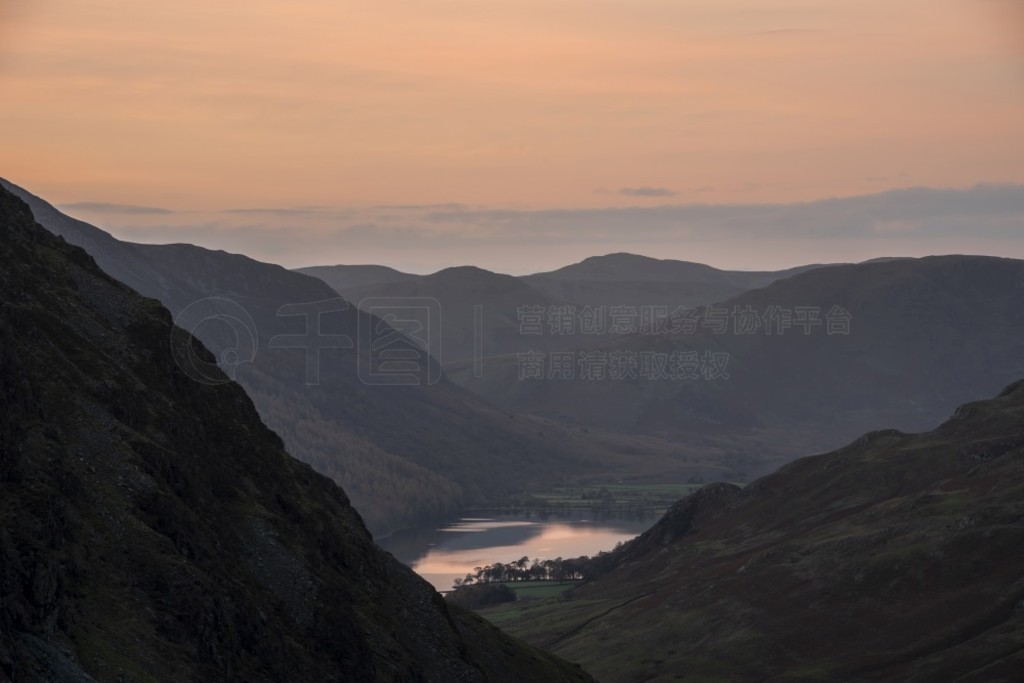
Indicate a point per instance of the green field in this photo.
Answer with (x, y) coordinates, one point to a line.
(537, 620)
(528, 590)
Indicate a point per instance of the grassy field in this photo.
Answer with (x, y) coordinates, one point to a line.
(539, 620)
(527, 590)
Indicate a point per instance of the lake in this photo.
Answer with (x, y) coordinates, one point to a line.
(441, 555)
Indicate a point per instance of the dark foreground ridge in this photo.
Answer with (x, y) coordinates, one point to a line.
(896, 558)
(155, 530)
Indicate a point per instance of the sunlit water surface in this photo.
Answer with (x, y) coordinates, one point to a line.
(441, 555)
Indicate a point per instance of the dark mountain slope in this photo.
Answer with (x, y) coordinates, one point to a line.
(153, 529)
(896, 558)
(403, 453)
(459, 291)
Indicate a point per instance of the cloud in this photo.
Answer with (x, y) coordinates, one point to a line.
(207, 232)
(273, 238)
(983, 211)
(451, 206)
(646, 192)
(112, 210)
(787, 32)
(321, 211)
(914, 221)
(106, 207)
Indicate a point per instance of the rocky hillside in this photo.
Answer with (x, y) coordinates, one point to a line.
(896, 558)
(153, 529)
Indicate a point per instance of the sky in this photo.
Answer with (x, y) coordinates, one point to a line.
(521, 136)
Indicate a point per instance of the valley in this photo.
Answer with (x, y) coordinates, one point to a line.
(685, 513)
(893, 558)
(512, 342)
(442, 555)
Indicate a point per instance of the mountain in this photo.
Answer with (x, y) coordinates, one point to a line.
(832, 353)
(479, 309)
(342, 278)
(895, 558)
(484, 314)
(154, 529)
(406, 453)
(632, 280)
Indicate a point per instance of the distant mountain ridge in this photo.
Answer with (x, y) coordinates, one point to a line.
(631, 280)
(483, 311)
(479, 308)
(153, 528)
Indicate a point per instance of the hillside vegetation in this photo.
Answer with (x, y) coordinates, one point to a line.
(895, 558)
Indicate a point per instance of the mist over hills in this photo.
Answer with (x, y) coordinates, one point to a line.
(924, 335)
(482, 310)
(921, 336)
(812, 356)
(155, 529)
(404, 453)
(896, 557)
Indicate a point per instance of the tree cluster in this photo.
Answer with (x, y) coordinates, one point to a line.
(480, 595)
(525, 569)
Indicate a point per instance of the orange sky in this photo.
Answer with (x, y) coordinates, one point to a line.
(199, 106)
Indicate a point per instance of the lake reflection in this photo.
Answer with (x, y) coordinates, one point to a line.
(441, 555)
